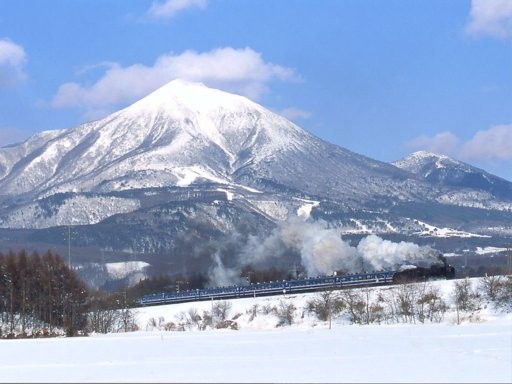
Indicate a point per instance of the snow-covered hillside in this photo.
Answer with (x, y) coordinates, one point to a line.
(443, 170)
(478, 350)
(73, 210)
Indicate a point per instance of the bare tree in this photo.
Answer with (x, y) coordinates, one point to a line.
(466, 299)
(207, 320)
(189, 319)
(285, 312)
(402, 301)
(220, 310)
(430, 305)
(505, 293)
(267, 309)
(326, 305)
(354, 304)
(253, 312)
(364, 306)
(491, 286)
(498, 288)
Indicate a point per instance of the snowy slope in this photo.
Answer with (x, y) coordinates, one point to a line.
(179, 133)
(307, 352)
(184, 133)
(443, 170)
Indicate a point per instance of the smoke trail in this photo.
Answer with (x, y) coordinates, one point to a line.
(321, 250)
(219, 275)
(380, 254)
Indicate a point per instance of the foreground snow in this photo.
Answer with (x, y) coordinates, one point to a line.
(308, 351)
(406, 353)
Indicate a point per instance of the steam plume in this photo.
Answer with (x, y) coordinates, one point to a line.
(322, 251)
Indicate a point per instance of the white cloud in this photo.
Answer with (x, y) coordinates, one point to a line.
(293, 113)
(170, 8)
(491, 17)
(444, 142)
(494, 143)
(12, 60)
(241, 71)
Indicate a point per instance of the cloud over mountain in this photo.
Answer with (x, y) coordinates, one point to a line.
(489, 145)
(12, 60)
(241, 71)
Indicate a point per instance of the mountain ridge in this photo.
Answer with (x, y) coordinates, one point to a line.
(444, 170)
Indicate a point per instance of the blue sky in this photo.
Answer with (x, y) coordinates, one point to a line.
(382, 78)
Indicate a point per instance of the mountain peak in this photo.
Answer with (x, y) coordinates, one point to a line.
(177, 87)
(427, 154)
(417, 161)
(181, 95)
(180, 132)
(444, 170)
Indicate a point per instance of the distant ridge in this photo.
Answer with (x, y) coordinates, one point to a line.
(443, 170)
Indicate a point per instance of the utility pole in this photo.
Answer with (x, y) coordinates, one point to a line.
(69, 246)
(509, 259)
(329, 308)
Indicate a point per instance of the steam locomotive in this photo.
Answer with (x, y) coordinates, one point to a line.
(310, 284)
(418, 273)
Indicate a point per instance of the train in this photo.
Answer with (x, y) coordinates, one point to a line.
(418, 273)
(309, 284)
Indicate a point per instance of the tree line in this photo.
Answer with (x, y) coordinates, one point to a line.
(40, 294)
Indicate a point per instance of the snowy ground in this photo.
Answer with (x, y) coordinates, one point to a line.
(307, 351)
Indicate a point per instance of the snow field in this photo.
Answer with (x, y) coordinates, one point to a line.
(307, 351)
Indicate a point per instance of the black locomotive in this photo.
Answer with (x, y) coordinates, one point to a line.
(418, 273)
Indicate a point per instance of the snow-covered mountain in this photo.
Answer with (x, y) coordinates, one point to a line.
(185, 133)
(181, 135)
(443, 170)
(188, 165)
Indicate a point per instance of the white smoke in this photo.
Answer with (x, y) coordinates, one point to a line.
(322, 252)
(220, 276)
(380, 254)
